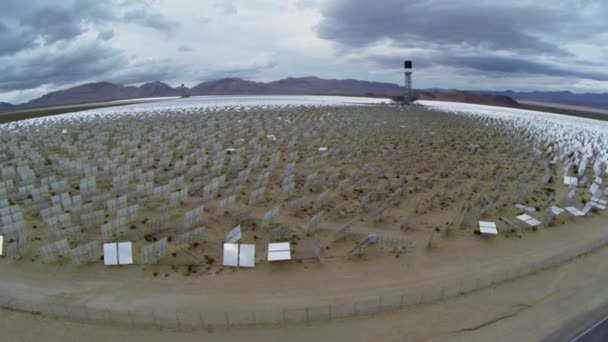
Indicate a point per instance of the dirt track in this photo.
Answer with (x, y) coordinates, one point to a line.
(293, 286)
(527, 309)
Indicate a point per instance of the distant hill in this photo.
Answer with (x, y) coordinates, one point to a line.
(157, 89)
(100, 92)
(563, 97)
(315, 85)
(4, 107)
(293, 86)
(105, 91)
(467, 97)
(229, 86)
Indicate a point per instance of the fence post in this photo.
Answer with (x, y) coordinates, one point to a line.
(68, 313)
(329, 309)
(51, 311)
(154, 320)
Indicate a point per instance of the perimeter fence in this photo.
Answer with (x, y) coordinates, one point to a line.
(413, 294)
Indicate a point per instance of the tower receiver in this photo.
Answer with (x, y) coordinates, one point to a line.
(407, 65)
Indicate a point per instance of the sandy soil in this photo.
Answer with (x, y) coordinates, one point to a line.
(527, 309)
(291, 285)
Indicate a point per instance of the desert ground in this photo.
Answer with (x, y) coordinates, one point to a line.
(174, 180)
(525, 309)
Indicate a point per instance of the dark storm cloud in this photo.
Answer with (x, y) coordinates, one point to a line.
(14, 40)
(490, 37)
(62, 66)
(24, 23)
(517, 66)
(492, 65)
(79, 63)
(53, 24)
(356, 23)
(43, 42)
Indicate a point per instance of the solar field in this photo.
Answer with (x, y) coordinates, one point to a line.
(250, 189)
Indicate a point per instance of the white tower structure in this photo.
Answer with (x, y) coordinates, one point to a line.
(407, 65)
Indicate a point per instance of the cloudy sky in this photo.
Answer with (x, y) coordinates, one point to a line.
(47, 45)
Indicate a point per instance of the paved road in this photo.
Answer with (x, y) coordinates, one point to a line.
(589, 327)
(596, 333)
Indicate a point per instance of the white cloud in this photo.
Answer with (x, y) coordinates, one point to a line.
(590, 85)
(19, 96)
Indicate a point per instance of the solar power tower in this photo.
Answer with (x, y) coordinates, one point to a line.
(407, 65)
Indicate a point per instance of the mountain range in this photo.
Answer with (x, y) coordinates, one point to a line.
(595, 100)
(105, 91)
